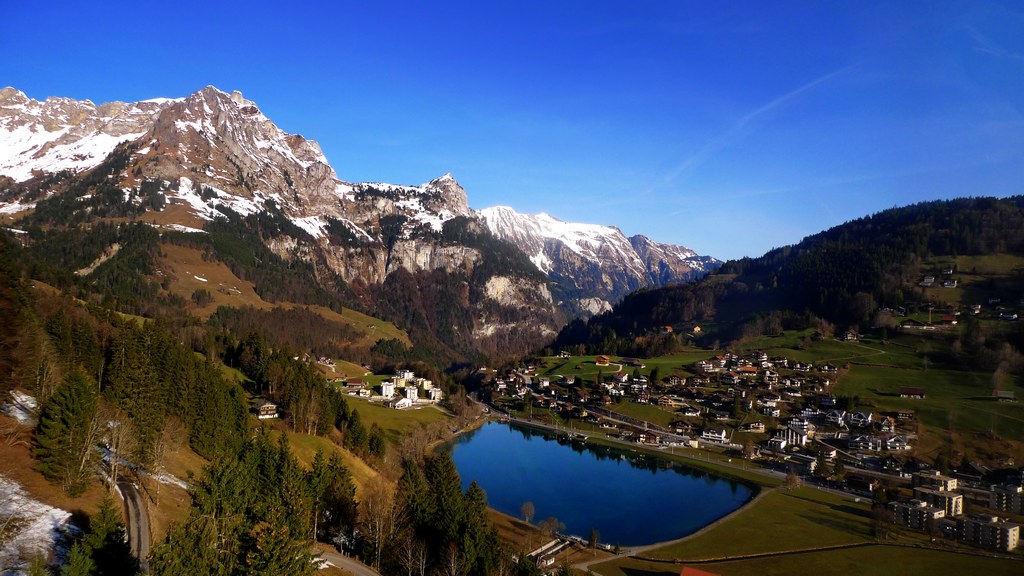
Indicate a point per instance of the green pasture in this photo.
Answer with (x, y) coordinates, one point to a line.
(395, 423)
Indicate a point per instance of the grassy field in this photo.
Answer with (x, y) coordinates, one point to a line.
(868, 560)
(648, 412)
(187, 271)
(781, 520)
(395, 423)
(778, 530)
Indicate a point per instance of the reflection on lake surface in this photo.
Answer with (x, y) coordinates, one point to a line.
(629, 498)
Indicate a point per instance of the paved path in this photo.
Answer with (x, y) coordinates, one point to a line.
(347, 563)
(138, 522)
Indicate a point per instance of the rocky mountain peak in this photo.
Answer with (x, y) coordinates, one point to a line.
(453, 195)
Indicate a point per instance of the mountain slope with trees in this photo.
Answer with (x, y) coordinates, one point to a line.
(842, 276)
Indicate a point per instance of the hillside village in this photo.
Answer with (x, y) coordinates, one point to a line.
(784, 415)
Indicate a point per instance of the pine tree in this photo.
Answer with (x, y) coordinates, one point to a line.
(67, 432)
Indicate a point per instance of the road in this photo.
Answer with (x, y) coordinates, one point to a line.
(138, 522)
(347, 563)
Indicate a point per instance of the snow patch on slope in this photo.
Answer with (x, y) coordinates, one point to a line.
(36, 528)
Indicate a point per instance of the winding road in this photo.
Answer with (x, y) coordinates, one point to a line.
(347, 563)
(138, 522)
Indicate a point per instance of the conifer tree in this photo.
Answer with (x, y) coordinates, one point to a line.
(67, 432)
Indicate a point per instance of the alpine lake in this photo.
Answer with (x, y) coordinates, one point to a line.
(630, 498)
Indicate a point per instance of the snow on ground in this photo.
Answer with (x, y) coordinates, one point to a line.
(28, 527)
(21, 407)
(314, 225)
(200, 278)
(170, 480)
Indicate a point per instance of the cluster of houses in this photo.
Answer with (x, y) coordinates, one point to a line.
(937, 506)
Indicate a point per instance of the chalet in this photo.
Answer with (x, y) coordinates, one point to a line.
(602, 360)
(911, 324)
(266, 410)
(770, 411)
(399, 403)
(828, 368)
(851, 336)
(865, 442)
(770, 399)
(948, 320)
(897, 443)
(859, 419)
(912, 392)
(674, 380)
(753, 427)
(770, 377)
(564, 354)
(928, 281)
(705, 366)
(792, 392)
(1008, 316)
(904, 415)
(671, 401)
(827, 401)
(634, 362)
(666, 329)
(802, 367)
(731, 378)
(714, 434)
(887, 424)
(800, 425)
(569, 380)
(780, 362)
(691, 411)
(543, 382)
(812, 413)
(949, 283)
(621, 377)
(836, 417)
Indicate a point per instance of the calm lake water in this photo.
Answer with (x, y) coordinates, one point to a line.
(630, 499)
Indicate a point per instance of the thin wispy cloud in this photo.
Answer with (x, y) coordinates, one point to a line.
(986, 45)
(742, 127)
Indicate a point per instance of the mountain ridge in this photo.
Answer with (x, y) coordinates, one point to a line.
(185, 162)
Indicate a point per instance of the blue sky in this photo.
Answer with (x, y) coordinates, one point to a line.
(728, 127)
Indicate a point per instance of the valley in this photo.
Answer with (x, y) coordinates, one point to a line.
(278, 358)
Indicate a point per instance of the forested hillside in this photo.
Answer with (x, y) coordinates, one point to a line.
(842, 277)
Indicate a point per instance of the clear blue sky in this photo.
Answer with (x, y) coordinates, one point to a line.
(729, 127)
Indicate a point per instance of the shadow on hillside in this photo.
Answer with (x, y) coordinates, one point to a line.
(840, 508)
(878, 392)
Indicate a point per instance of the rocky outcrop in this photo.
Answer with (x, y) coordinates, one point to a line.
(592, 266)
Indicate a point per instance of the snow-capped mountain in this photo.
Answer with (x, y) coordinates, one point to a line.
(593, 266)
(64, 134)
(180, 164)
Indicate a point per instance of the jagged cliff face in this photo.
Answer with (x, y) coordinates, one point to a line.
(214, 152)
(594, 266)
